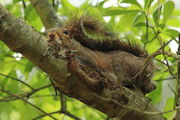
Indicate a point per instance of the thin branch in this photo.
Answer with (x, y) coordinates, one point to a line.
(147, 25)
(48, 95)
(159, 52)
(10, 98)
(160, 61)
(70, 115)
(24, 4)
(57, 112)
(53, 3)
(38, 89)
(63, 102)
(9, 93)
(168, 53)
(7, 76)
(167, 63)
(28, 94)
(169, 68)
(165, 44)
(158, 80)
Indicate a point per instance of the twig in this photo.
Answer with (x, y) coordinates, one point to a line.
(9, 93)
(16, 80)
(171, 78)
(45, 115)
(159, 52)
(63, 102)
(24, 4)
(168, 53)
(160, 61)
(167, 64)
(10, 98)
(38, 89)
(28, 94)
(165, 44)
(70, 115)
(64, 112)
(50, 95)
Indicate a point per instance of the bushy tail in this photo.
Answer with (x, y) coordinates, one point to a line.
(95, 35)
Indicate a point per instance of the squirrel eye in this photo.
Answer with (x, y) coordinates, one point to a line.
(65, 32)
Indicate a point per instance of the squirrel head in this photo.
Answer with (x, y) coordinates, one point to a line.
(60, 36)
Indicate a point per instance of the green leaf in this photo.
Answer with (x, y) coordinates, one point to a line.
(5, 110)
(118, 11)
(157, 14)
(140, 24)
(162, 26)
(176, 12)
(15, 9)
(10, 84)
(147, 3)
(168, 9)
(84, 5)
(175, 22)
(134, 2)
(139, 18)
(102, 3)
(13, 85)
(173, 33)
(15, 1)
(28, 67)
(30, 113)
(32, 17)
(169, 106)
(125, 22)
(68, 7)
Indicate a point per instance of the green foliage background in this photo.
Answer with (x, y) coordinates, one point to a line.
(150, 23)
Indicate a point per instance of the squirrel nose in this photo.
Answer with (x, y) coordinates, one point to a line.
(51, 35)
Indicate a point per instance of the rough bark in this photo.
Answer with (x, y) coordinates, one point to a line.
(21, 38)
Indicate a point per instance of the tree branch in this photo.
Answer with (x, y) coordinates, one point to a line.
(46, 13)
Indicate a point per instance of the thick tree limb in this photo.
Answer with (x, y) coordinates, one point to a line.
(47, 13)
(20, 37)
